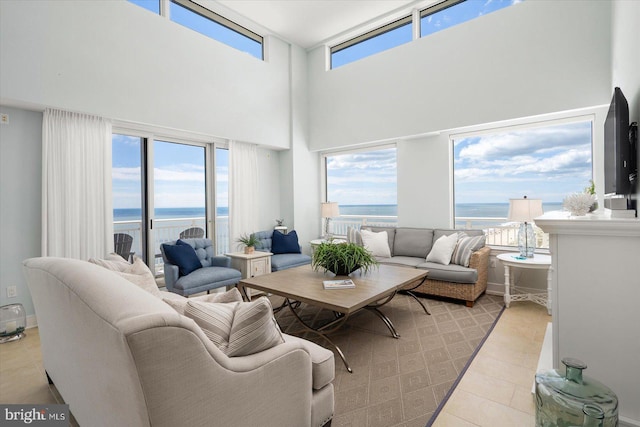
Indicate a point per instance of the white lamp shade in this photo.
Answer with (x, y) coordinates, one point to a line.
(524, 210)
(330, 210)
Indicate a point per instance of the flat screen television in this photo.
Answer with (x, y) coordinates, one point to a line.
(620, 156)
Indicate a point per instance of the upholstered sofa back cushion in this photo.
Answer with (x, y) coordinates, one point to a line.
(439, 232)
(414, 242)
(264, 240)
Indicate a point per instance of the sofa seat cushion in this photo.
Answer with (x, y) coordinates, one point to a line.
(322, 361)
(207, 275)
(449, 273)
(401, 261)
(284, 261)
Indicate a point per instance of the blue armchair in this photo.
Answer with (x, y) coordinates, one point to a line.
(279, 261)
(216, 271)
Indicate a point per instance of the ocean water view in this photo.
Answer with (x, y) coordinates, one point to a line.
(474, 210)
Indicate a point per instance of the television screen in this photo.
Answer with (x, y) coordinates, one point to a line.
(619, 160)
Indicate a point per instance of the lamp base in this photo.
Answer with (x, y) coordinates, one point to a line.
(526, 240)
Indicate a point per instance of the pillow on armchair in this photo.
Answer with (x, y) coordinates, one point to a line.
(184, 256)
(285, 243)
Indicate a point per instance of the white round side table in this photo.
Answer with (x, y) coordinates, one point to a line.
(512, 292)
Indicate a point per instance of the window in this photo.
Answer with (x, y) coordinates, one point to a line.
(364, 183)
(542, 161)
(453, 12)
(204, 21)
(152, 5)
(383, 38)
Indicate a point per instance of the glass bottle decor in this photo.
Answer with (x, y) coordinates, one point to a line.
(572, 400)
(526, 240)
(13, 321)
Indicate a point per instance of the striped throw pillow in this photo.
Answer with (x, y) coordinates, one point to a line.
(254, 329)
(215, 320)
(237, 329)
(354, 236)
(465, 247)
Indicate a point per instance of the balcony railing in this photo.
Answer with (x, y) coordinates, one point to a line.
(168, 229)
(499, 231)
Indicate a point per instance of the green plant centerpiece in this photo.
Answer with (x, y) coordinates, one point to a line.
(342, 258)
(248, 241)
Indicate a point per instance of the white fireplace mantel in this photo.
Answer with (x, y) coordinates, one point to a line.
(596, 300)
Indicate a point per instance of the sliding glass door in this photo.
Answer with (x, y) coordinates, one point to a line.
(160, 194)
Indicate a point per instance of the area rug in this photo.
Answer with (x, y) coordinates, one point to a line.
(405, 381)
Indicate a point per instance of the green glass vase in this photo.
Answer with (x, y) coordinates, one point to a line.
(571, 400)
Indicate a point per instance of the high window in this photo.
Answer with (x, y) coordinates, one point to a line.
(364, 184)
(428, 21)
(204, 21)
(381, 39)
(453, 12)
(198, 18)
(545, 161)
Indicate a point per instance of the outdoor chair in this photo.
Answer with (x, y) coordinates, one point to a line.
(192, 233)
(122, 243)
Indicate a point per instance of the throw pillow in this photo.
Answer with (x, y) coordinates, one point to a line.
(465, 247)
(285, 243)
(376, 243)
(184, 256)
(113, 262)
(137, 273)
(443, 249)
(180, 304)
(254, 329)
(237, 329)
(354, 236)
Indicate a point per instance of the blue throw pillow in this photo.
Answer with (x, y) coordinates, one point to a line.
(184, 256)
(285, 243)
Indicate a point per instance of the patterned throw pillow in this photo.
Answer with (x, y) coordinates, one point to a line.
(180, 304)
(238, 329)
(465, 247)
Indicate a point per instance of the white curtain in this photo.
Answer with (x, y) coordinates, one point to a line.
(77, 214)
(243, 194)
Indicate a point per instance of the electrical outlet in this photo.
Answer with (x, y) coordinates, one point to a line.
(12, 292)
(4, 119)
(492, 263)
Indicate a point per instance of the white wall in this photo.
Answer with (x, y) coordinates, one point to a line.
(424, 170)
(20, 200)
(532, 58)
(118, 60)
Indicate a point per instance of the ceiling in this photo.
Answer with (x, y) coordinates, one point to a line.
(309, 23)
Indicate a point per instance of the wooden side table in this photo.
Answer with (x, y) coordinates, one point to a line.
(538, 262)
(251, 265)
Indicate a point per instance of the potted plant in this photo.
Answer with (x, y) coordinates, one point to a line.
(249, 241)
(342, 258)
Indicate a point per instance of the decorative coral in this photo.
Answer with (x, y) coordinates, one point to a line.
(578, 203)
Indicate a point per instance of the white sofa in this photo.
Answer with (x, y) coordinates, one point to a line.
(120, 356)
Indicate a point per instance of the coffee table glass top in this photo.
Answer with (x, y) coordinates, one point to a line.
(304, 284)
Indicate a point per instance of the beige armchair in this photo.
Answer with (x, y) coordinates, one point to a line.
(120, 356)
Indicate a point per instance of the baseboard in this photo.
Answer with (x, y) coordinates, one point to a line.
(32, 322)
(495, 288)
(628, 422)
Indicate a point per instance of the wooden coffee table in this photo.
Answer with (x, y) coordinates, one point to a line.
(372, 291)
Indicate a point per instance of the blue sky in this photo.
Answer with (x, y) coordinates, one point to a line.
(547, 163)
(179, 174)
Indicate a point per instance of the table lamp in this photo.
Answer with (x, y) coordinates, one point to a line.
(525, 210)
(329, 210)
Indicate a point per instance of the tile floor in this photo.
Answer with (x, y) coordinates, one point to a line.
(495, 391)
